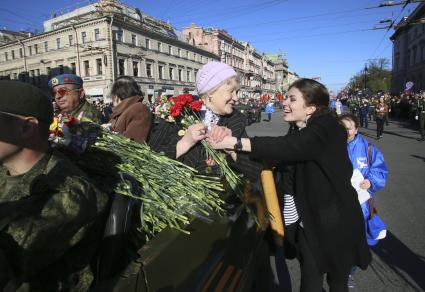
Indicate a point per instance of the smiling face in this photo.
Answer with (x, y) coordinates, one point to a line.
(295, 108)
(222, 100)
(67, 96)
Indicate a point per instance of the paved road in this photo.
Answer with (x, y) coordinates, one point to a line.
(399, 260)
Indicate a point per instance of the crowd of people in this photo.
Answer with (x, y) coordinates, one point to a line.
(51, 214)
(382, 107)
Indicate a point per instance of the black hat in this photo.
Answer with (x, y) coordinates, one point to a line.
(26, 100)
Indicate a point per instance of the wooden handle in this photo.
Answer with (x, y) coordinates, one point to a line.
(272, 202)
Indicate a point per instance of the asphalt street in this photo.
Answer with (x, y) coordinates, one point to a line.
(398, 260)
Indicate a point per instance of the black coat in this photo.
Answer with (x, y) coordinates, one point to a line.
(164, 138)
(325, 200)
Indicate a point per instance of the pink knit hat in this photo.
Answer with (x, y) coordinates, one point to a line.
(212, 74)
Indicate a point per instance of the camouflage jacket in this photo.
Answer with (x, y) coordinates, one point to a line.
(51, 223)
(88, 111)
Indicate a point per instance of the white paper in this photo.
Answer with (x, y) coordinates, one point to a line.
(356, 179)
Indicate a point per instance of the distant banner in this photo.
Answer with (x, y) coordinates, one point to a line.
(409, 86)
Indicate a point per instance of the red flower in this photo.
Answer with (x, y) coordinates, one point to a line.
(71, 121)
(184, 99)
(176, 110)
(196, 105)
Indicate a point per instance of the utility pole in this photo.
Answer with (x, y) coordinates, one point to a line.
(365, 78)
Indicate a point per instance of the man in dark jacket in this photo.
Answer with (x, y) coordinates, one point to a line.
(51, 216)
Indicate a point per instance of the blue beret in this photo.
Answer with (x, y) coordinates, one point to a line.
(65, 79)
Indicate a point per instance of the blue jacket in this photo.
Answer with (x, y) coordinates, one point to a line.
(269, 108)
(377, 172)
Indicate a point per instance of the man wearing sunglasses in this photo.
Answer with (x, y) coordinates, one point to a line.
(68, 94)
(51, 216)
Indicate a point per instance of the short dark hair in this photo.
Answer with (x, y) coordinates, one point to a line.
(350, 117)
(125, 87)
(314, 93)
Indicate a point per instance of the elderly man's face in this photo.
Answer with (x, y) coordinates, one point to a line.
(67, 96)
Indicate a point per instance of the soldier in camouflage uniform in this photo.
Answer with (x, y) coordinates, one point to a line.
(51, 216)
(421, 115)
(69, 95)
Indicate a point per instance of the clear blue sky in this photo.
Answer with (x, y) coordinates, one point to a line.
(327, 38)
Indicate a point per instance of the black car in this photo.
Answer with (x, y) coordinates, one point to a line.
(222, 253)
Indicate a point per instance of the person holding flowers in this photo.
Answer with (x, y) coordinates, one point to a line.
(180, 136)
(51, 214)
(330, 235)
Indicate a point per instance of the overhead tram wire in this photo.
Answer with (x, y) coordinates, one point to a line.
(309, 17)
(309, 36)
(234, 12)
(390, 26)
(316, 27)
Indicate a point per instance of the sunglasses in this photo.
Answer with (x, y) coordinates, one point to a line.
(62, 91)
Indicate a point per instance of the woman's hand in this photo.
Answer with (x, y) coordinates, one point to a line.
(218, 133)
(226, 143)
(193, 135)
(365, 184)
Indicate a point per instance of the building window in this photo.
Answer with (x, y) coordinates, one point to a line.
(149, 70)
(171, 72)
(6, 56)
(49, 72)
(196, 72)
(61, 69)
(46, 46)
(20, 53)
(58, 43)
(83, 37)
(86, 68)
(36, 49)
(179, 72)
(188, 76)
(121, 68)
(97, 34)
(147, 43)
(135, 68)
(73, 68)
(160, 71)
(70, 40)
(13, 54)
(170, 50)
(99, 66)
(159, 47)
(194, 57)
(134, 40)
(30, 50)
(118, 36)
(179, 52)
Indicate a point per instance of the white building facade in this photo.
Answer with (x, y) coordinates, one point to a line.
(102, 41)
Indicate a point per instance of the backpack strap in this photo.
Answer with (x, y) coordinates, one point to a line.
(370, 201)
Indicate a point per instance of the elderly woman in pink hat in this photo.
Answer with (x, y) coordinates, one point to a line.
(217, 84)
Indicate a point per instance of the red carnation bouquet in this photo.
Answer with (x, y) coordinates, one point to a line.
(185, 110)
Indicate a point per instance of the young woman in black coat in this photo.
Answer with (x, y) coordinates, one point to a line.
(330, 237)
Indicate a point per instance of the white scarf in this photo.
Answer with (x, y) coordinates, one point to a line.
(209, 118)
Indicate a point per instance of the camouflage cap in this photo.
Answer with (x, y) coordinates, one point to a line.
(65, 79)
(26, 100)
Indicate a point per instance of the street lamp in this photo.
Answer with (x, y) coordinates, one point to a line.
(365, 76)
